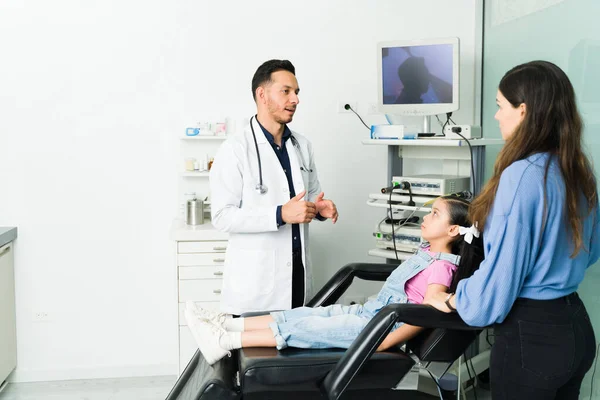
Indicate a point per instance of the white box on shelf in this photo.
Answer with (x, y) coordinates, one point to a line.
(468, 131)
(389, 132)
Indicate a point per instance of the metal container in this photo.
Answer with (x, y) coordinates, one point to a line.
(194, 212)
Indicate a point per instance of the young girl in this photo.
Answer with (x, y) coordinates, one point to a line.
(453, 251)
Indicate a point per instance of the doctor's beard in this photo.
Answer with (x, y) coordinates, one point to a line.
(279, 116)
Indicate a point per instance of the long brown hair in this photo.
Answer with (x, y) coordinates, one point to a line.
(551, 124)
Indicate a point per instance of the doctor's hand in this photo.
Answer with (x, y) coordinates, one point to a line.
(298, 211)
(326, 208)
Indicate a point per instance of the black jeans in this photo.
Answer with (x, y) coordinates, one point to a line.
(297, 279)
(542, 350)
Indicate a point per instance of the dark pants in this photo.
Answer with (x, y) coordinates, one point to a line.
(297, 279)
(542, 350)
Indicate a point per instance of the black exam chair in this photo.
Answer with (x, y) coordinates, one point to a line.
(356, 373)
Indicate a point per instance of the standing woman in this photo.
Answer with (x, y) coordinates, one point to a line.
(539, 212)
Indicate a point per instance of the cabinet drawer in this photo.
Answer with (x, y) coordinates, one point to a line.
(190, 260)
(208, 272)
(8, 326)
(187, 347)
(207, 305)
(202, 247)
(200, 290)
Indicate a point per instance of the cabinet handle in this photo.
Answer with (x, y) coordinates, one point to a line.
(217, 291)
(218, 273)
(218, 260)
(220, 248)
(7, 248)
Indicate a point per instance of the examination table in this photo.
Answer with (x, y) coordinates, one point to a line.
(356, 373)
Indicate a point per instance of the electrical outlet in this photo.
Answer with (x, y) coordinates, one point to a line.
(341, 107)
(41, 316)
(373, 108)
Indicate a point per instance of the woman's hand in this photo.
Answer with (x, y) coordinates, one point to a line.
(437, 300)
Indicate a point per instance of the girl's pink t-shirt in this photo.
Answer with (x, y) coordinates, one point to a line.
(439, 271)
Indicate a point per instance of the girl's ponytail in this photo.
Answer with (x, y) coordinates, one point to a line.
(471, 254)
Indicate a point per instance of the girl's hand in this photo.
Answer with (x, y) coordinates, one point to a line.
(437, 301)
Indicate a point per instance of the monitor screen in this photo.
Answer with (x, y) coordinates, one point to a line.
(418, 77)
(417, 74)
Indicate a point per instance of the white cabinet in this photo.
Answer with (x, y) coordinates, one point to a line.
(200, 259)
(8, 327)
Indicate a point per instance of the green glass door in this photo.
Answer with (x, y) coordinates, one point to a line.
(567, 33)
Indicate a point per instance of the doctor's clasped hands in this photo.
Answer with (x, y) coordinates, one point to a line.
(299, 211)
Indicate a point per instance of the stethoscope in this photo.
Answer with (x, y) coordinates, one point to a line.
(261, 188)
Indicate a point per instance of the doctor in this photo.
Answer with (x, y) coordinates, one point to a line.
(265, 191)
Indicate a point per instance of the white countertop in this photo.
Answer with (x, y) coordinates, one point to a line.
(182, 232)
(7, 234)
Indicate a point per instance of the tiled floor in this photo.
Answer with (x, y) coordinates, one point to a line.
(150, 388)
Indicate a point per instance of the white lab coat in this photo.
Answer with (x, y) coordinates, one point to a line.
(258, 263)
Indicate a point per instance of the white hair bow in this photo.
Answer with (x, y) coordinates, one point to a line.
(469, 232)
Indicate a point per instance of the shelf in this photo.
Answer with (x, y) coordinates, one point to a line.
(417, 198)
(400, 247)
(193, 174)
(432, 142)
(199, 137)
(381, 200)
(375, 203)
(402, 256)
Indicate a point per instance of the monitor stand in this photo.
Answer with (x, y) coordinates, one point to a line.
(426, 132)
(426, 127)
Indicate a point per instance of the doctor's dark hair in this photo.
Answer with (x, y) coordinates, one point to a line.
(551, 124)
(263, 73)
(471, 254)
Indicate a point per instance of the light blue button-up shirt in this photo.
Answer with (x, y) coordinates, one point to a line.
(520, 259)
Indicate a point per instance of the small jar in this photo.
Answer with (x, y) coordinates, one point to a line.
(210, 163)
(189, 164)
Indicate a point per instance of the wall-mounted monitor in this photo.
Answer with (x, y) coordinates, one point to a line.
(418, 77)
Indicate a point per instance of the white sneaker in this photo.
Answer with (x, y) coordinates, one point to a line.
(216, 318)
(207, 337)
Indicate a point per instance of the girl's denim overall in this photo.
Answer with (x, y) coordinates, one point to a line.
(338, 325)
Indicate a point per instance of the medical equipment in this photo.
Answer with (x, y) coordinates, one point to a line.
(432, 184)
(467, 131)
(406, 235)
(418, 78)
(407, 238)
(261, 188)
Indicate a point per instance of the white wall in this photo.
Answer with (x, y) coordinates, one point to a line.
(93, 96)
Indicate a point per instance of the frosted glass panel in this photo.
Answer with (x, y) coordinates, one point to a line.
(567, 33)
